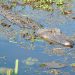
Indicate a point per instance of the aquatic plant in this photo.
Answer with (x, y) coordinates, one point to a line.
(16, 67)
(31, 61)
(42, 4)
(54, 71)
(10, 71)
(73, 65)
(59, 2)
(53, 65)
(56, 51)
(43, 65)
(4, 70)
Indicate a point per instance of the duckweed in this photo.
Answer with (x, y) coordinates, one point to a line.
(43, 65)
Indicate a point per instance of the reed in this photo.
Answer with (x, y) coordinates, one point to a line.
(16, 67)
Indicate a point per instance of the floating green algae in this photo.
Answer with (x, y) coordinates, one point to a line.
(30, 61)
(43, 65)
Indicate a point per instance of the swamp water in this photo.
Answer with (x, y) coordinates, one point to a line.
(38, 57)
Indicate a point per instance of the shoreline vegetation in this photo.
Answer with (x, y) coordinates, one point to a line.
(47, 5)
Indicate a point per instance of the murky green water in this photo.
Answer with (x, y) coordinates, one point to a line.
(31, 54)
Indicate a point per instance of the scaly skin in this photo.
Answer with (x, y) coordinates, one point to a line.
(55, 36)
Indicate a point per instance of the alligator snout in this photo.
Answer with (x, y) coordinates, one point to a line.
(55, 36)
(68, 44)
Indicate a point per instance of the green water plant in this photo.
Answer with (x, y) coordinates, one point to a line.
(43, 65)
(10, 71)
(59, 2)
(16, 67)
(30, 61)
(40, 4)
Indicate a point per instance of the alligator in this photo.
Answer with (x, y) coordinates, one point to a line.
(53, 35)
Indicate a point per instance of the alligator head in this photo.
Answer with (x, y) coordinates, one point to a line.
(55, 36)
